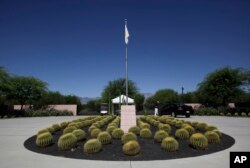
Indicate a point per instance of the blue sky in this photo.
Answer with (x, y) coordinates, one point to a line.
(77, 46)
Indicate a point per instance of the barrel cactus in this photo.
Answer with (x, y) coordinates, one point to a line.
(145, 125)
(63, 125)
(44, 139)
(165, 127)
(212, 137)
(211, 127)
(160, 135)
(202, 126)
(135, 130)
(170, 144)
(67, 141)
(190, 129)
(79, 133)
(91, 128)
(56, 127)
(117, 133)
(194, 124)
(42, 131)
(131, 148)
(104, 137)
(182, 134)
(92, 146)
(94, 133)
(128, 137)
(69, 129)
(218, 132)
(51, 129)
(110, 128)
(145, 133)
(198, 141)
(178, 124)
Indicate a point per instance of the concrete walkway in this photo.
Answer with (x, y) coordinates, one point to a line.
(13, 133)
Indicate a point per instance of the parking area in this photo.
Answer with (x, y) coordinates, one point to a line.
(13, 133)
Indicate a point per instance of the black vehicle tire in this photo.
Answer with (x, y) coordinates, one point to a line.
(187, 115)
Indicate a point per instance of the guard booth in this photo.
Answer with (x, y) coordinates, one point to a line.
(104, 108)
(118, 101)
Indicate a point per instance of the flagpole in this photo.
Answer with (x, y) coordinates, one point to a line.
(126, 60)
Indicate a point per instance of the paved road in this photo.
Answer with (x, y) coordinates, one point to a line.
(13, 133)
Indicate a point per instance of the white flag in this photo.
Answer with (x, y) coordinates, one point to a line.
(126, 34)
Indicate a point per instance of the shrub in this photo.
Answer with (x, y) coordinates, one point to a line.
(80, 134)
(236, 114)
(212, 137)
(44, 139)
(92, 146)
(198, 141)
(170, 144)
(182, 134)
(69, 129)
(145, 133)
(190, 129)
(222, 114)
(165, 127)
(131, 148)
(56, 127)
(117, 133)
(243, 114)
(128, 137)
(94, 133)
(202, 126)
(229, 114)
(104, 137)
(135, 130)
(67, 141)
(206, 111)
(160, 135)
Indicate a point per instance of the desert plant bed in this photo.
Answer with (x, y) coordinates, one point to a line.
(153, 138)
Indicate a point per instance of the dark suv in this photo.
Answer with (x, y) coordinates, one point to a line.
(175, 109)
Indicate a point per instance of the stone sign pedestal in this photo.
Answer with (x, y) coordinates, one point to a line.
(128, 117)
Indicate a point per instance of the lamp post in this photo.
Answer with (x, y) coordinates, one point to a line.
(182, 99)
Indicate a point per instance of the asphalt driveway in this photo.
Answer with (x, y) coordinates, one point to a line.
(13, 133)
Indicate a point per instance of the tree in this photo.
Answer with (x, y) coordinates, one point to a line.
(190, 97)
(25, 90)
(118, 87)
(139, 100)
(94, 105)
(51, 97)
(223, 85)
(162, 96)
(4, 80)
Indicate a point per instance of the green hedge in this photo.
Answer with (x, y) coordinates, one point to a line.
(43, 113)
(207, 111)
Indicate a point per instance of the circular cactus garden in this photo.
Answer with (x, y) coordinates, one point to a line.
(153, 138)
